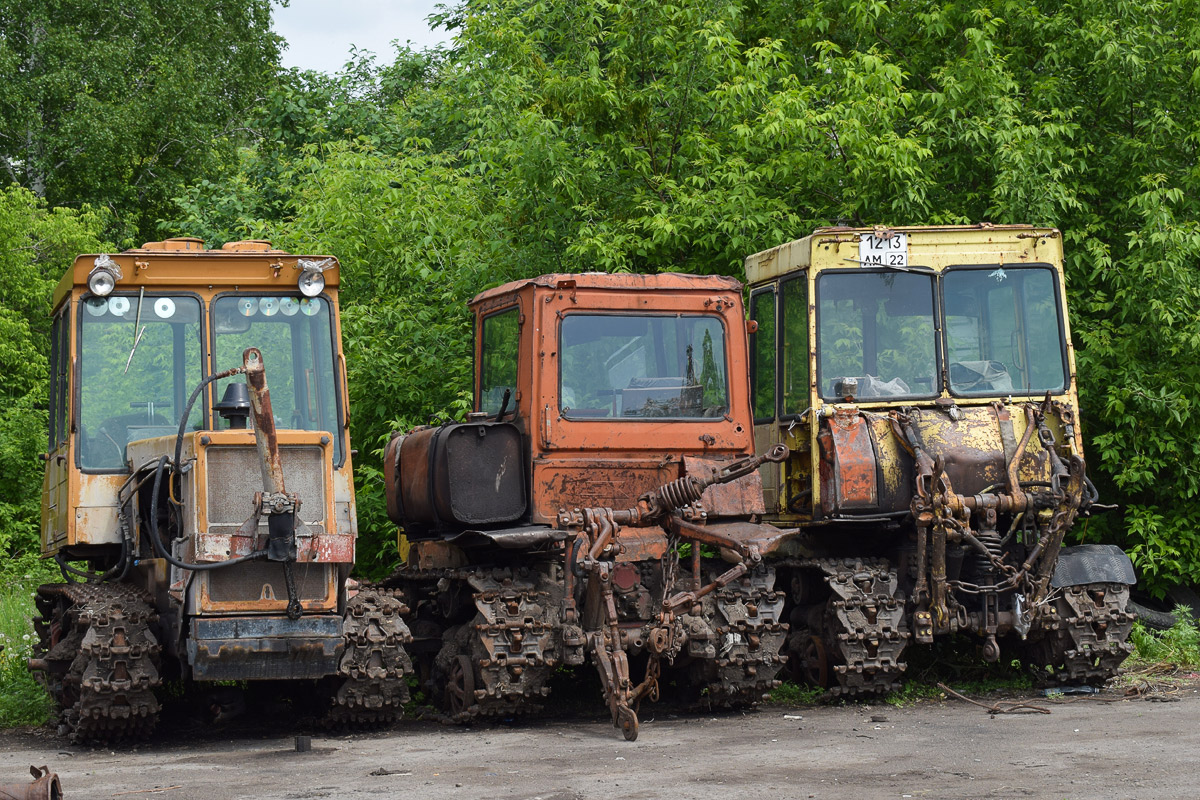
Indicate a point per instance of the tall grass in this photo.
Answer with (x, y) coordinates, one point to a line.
(1179, 644)
(22, 700)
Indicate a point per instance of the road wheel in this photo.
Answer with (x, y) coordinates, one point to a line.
(460, 685)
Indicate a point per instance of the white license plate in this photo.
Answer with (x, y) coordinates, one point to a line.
(878, 251)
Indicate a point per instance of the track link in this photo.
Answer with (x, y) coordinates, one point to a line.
(498, 664)
(375, 666)
(750, 635)
(866, 629)
(100, 660)
(1085, 636)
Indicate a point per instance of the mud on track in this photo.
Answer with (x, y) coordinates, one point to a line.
(1103, 747)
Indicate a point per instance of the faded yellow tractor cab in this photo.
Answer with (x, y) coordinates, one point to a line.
(198, 493)
(924, 381)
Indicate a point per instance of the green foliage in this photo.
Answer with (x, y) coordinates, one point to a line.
(22, 700)
(912, 692)
(416, 240)
(299, 115)
(36, 246)
(793, 694)
(1179, 644)
(978, 679)
(122, 104)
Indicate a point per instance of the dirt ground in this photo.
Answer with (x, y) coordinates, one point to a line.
(1087, 747)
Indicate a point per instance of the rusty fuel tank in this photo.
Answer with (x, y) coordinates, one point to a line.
(460, 474)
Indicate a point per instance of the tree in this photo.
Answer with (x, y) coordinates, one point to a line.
(121, 105)
(36, 245)
(300, 115)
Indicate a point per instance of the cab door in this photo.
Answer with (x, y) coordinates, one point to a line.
(55, 511)
(764, 386)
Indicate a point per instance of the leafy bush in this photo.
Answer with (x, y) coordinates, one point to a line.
(1179, 644)
(37, 244)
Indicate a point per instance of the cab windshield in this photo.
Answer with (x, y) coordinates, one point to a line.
(137, 368)
(875, 335)
(1003, 333)
(295, 335)
(626, 366)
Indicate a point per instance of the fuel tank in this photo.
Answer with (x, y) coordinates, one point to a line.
(456, 475)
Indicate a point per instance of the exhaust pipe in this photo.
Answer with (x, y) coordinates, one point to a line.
(45, 786)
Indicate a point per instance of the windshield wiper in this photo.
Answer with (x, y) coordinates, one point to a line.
(907, 268)
(137, 334)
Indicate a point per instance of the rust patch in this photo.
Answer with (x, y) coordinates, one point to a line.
(848, 464)
(264, 421)
(737, 498)
(436, 555)
(609, 484)
(641, 544)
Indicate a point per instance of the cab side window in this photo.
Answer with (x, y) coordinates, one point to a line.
(762, 354)
(794, 357)
(498, 361)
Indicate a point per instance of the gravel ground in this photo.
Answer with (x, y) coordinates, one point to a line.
(1087, 747)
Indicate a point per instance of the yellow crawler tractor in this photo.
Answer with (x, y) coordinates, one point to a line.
(924, 381)
(204, 528)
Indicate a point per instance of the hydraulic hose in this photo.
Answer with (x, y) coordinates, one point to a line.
(90, 577)
(187, 412)
(161, 549)
(127, 558)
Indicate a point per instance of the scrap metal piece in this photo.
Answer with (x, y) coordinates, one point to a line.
(45, 786)
(1092, 563)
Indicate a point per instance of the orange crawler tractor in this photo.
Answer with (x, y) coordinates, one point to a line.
(599, 505)
(216, 521)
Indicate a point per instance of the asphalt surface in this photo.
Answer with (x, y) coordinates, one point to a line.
(1086, 747)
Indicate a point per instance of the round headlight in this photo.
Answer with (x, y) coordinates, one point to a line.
(311, 283)
(101, 282)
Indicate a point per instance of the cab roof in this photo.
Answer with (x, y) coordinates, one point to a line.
(936, 246)
(183, 263)
(620, 281)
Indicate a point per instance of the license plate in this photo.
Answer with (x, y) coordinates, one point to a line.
(883, 251)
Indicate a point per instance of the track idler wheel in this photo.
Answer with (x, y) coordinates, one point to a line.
(814, 661)
(808, 659)
(460, 685)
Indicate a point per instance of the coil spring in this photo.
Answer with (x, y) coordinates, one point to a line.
(991, 540)
(679, 493)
